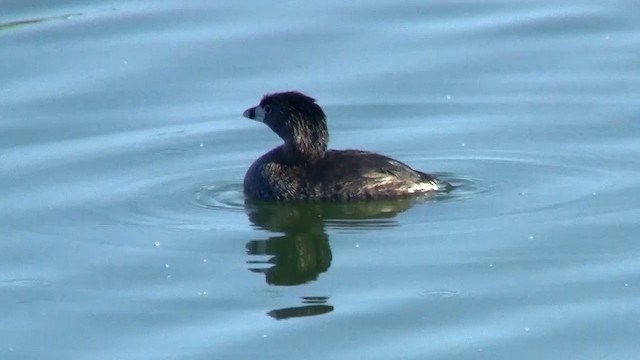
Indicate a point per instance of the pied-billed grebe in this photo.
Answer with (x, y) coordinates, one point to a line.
(303, 169)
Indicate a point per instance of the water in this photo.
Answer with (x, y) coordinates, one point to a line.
(125, 233)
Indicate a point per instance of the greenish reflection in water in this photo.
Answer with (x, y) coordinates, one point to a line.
(301, 251)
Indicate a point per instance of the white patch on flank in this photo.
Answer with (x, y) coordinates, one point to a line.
(423, 187)
(259, 114)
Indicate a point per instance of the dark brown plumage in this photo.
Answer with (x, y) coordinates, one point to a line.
(303, 169)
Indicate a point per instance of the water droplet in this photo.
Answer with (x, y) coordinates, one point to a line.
(156, 244)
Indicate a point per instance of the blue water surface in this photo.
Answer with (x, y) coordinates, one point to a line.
(125, 234)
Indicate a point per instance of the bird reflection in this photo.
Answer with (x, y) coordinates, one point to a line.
(300, 311)
(299, 255)
(301, 250)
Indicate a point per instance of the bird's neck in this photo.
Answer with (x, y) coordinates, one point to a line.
(302, 152)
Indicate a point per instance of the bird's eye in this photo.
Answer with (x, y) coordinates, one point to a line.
(267, 109)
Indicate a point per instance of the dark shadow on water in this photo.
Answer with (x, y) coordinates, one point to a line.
(300, 251)
(313, 305)
(16, 24)
(26, 22)
(297, 257)
(300, 311)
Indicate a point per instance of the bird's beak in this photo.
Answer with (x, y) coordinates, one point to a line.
(250, 113)
(255, 113)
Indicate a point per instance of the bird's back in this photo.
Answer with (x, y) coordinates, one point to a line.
(339, 175)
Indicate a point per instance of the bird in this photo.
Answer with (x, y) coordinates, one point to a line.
(303, 169)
